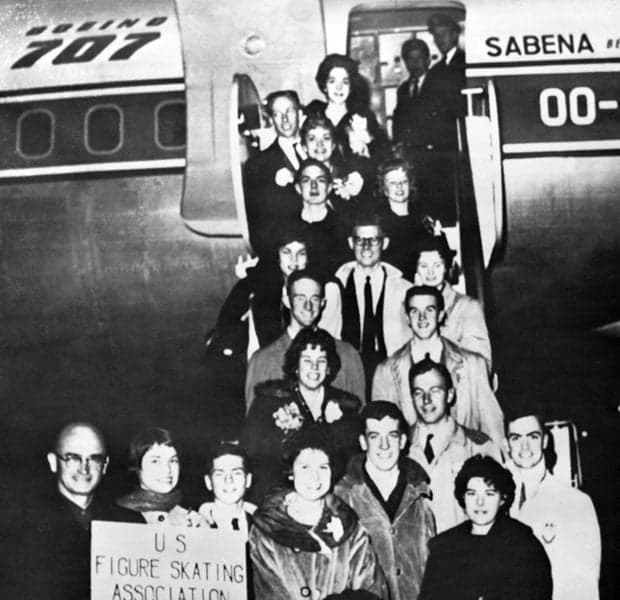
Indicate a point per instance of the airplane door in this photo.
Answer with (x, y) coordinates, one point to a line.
(483, 136)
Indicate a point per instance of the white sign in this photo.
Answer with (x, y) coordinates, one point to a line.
(131, 561)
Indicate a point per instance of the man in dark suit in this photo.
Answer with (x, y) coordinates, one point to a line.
(412, 99)
(268, 176)
(445, 81)
(57, 536)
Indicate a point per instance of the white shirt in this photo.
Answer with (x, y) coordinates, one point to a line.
(450, 55)
(288, 146)
(442, 433)
(376, 284)
(432, 347)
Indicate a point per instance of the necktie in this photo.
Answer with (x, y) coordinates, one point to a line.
(428, 449)
(522, 496)
(414, 88)
(368, 333)
(235, 523)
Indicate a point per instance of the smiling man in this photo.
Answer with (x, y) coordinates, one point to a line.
(562, 517)
(307, 297)
(268, 197)
(373, 320)
(58, 542)
(438, 442)
(477, 407)
(389, 492)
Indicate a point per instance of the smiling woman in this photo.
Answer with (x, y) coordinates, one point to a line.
(153, 456)
(292, 527)
(303, 398)
(490, 555)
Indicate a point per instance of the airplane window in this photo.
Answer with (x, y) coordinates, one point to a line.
(35, 133)
(104, 129)
(170, 125)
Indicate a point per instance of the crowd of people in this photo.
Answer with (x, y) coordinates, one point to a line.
(375, 460)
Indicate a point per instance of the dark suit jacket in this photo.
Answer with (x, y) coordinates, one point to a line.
(445, 82)
(263, 439)
(411, 116)
(266, 203)
(56, 547)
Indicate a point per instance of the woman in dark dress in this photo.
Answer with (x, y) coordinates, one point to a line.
(304, 397)
(154, 458)
(400, 220)
(347, 107)
(490, 556)
(352, 175)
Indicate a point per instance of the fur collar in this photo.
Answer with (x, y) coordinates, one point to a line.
(274, 521)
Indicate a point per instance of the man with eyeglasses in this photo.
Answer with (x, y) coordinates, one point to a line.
(438, 442)
(57, 542)
(306, 298)
(477, 407)
(373, 319)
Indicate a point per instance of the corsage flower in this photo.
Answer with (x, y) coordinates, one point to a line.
(359, 138)
(335, 528)
(332, 412)
(284, 176)
(350, 186)
(288, 417)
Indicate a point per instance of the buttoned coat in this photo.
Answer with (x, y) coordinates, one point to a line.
(396, 329)
(400, 544)
(476, 406)
(295, 562)
(449, 458)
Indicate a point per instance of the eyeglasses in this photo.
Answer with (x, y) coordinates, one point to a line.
(367, 241)
(76, 460)
(435, 393)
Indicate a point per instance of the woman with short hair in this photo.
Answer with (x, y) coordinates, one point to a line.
(154, 457)
(305, 542)
(489, 556)
(303, 397)
(350, 174)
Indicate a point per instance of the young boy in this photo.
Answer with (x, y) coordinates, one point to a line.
(228, 477)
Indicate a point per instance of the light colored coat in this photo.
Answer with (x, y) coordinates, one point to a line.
(564, 520)
(396, 329)
(465, 324)
(476, 406)
(461, 445)
(401, 544)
